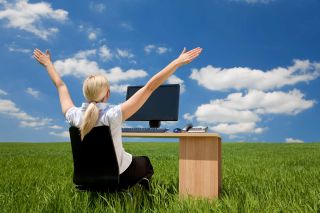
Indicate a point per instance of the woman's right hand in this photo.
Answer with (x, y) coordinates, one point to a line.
(43, 58)
(186, 57)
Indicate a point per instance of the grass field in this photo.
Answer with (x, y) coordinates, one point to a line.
(257, 177)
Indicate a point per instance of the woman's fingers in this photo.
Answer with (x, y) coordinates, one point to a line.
(195, 53)
(37, 52)
(198, 49)
(40, 56)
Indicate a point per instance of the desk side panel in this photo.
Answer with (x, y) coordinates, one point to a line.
(200, 167)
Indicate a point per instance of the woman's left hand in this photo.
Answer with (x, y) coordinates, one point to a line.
(43, 58)
(187, 56)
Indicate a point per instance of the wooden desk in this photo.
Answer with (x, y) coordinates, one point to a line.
(199, 162)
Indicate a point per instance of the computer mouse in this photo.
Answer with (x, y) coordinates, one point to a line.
(177, 130)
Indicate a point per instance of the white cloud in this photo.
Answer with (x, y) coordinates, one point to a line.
(119, 88)
(237, 128)
(79, 66)
(292, 140)
(64, 134)
(97, 7)
(32, 92)
(240, 113)
(9, 108)
(260, 102)
(76, 67)
(92, 36)
(215, 112)
(105, 53)
(116, 74)
(83, 54)
(30, 17)
(92, 33)
(162, 50)
(55, 127)
(2, 92)
(153, 48)
(188, 117)
(19, 50)
(173, 79)
(149, 48)
(39, 123)
(215, 78)
(124, 53)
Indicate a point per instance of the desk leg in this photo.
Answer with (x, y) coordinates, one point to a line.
(200, 167)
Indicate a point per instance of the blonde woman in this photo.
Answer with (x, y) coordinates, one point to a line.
(95, 111)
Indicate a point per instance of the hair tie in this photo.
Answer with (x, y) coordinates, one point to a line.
(93, 102)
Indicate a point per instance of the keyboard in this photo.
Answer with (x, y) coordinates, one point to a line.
(152, 130)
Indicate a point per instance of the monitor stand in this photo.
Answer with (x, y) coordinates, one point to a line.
(154, 124)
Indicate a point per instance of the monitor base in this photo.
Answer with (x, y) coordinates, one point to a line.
(154, 124)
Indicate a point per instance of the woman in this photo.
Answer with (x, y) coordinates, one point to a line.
(95, 112)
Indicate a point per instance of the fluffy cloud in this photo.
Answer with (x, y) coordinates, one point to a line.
(80, 66)
(188, 117)
(240, 113)
(215, 78)
(237, 128)
(63, 134)
(173, 79)
(119, 88)
(32, 92)
(292, 140)
(162, 50)
(9, 108)
(92, 36)
(124, 53)
(30, 17)
(19, 50)
(116, 74)
(153, 48)
(214, 112)
(92, 33)
(105, 53)
(76, 67)
(260, 102)
(83, 54)
(55, 127)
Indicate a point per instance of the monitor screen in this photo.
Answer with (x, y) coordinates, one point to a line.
(162, 105)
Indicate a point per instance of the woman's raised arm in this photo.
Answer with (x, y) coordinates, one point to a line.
(64, 96)
(136, 101)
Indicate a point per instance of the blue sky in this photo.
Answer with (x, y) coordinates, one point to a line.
(256, 80)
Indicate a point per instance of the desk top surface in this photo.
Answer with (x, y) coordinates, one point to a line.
(167, 135)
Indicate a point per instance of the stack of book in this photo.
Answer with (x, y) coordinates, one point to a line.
(198, 129)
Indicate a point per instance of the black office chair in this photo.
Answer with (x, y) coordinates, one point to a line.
(94, 160)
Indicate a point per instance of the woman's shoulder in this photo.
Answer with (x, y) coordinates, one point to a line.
(112, 113)
(110, 109)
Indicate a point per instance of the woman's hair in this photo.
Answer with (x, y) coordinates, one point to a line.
(95, 88)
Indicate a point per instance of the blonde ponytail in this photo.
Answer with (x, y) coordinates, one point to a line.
(95, 88)
(90, 119)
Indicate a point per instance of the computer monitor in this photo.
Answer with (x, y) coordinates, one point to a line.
(162, 105)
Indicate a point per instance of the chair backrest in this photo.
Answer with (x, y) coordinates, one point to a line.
(94, 160)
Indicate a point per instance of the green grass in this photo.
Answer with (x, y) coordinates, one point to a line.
(257, 177)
